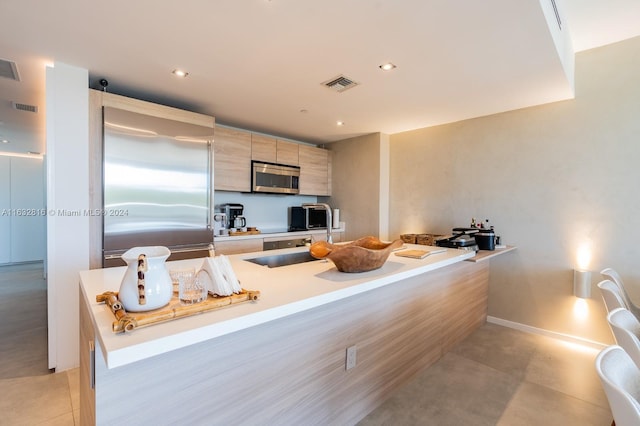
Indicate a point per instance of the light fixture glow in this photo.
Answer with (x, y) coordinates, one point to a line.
(19, 154)
(180, 73)
(580, 309)
(5, 141)
(581, 274)
(583, 256)
(340, 123)
(387, 67)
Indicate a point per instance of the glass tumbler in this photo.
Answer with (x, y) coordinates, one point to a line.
(176, 274)
(190, 289)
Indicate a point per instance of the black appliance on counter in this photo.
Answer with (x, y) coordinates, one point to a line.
(462, 238)
(232, 211)
(470, 239)
(486, 239)
(305, 218)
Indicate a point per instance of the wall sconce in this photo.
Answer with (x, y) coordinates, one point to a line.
(582, 283)
(582, 276)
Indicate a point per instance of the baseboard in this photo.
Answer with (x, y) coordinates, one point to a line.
(535, 330)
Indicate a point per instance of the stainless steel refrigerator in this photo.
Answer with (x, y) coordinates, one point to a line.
(157, 185)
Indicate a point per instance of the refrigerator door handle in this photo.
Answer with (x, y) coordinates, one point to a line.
(211, 187)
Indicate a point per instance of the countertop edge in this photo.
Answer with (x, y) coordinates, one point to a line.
(484, 255)
(128, 354)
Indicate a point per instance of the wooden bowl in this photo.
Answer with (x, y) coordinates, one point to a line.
(362, 255)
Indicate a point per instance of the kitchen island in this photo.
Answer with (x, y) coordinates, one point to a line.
(281, 359)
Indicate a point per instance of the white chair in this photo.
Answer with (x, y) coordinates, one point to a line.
(620, 378)
(612, 295)
(626, 329)
(615, 277)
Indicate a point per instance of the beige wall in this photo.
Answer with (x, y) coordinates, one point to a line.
(356, 189)
(550, 179)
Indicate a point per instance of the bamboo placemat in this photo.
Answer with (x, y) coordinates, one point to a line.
(129, 321)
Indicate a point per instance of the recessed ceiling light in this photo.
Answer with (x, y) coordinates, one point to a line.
(180, 73)
(387, 67)
(340, 123)
(5, 141)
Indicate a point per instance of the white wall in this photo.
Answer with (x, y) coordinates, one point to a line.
(67, 191)
(22, 208)
(358, 172)
(5, 205)
(550, 178)
(385, 152)
(27, 192)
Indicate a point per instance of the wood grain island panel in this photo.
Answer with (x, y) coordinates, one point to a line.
(291, 370)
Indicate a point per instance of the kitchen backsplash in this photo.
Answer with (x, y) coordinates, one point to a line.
(267, 212)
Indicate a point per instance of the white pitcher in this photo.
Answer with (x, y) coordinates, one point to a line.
(146, 284)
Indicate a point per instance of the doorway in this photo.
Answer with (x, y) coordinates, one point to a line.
(23, 288)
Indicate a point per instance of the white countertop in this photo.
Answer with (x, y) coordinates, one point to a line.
(284, 291)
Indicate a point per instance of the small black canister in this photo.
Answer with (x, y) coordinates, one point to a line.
(486, 239)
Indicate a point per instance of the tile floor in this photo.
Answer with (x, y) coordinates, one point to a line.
(497, 376)
(501, 376)
(29, 393)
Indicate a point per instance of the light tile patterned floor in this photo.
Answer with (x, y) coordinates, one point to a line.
(497, 376)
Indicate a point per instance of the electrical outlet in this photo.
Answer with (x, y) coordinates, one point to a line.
(351, 358)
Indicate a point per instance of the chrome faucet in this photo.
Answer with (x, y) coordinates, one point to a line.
(327, 210)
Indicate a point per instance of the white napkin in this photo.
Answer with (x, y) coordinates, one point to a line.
(228, 273)
(223, 279)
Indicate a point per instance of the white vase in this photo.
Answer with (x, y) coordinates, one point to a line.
(146, 284)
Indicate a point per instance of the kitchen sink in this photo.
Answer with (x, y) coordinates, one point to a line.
(277, 260)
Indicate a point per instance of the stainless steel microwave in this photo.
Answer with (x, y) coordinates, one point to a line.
(275, 178)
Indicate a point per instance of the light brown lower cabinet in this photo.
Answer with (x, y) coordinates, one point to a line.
(239, 246)
(336, 236)
(292, 370)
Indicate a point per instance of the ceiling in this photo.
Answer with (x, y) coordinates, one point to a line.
(259, 64)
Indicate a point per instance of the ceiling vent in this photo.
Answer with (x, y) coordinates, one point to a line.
(24, 107)
(340, 83)
(9, 69)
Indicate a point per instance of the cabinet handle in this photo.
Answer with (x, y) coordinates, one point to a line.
(92, 364)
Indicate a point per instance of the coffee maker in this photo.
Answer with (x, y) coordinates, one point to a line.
(232, 212)
(220, 224)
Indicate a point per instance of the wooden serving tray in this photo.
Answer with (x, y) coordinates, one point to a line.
(129, 321)
(234, 234)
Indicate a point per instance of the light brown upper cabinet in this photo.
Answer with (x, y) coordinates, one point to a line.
(234, 149)
(287, 153)
(263, 148)
(232, 160)
(272, 150)
(314, 170)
